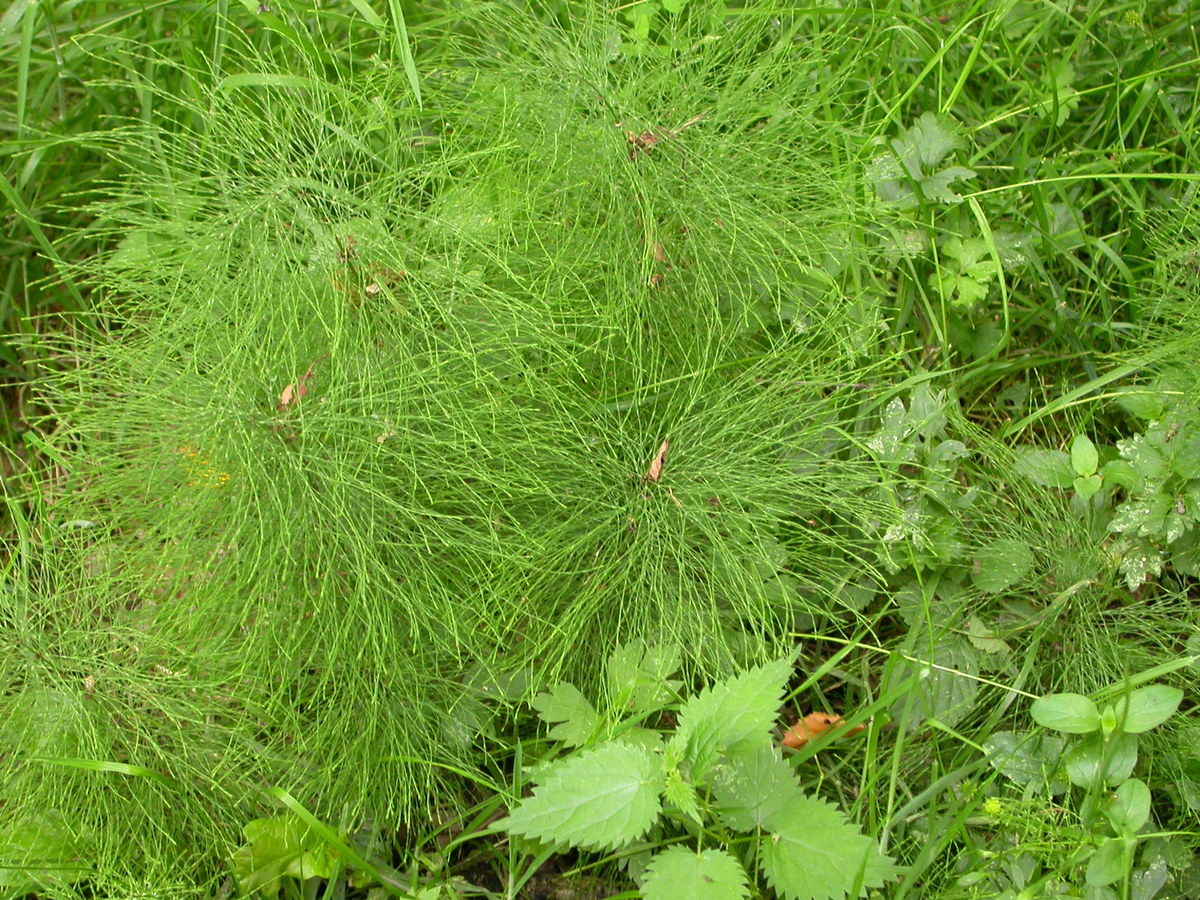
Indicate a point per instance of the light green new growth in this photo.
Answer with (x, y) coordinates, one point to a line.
(377, 393)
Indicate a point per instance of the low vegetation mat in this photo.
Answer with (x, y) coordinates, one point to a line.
(524, 450)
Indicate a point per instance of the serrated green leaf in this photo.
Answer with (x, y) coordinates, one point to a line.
(574, 718)
(708, 875)
(1001, 564)
(983, 638)
(1070, 713)
(932, 138)
(732, 715)
(682, 795)
(813, 853)
(1145, 459)
(1140, 561)
(280, 847)
(937, 186)
(1050, 468)
(646, 738)
(1145, 517)
(1059, 97)
(637, 676)
(599, 799)
(1185, 458)
(752, 787)
(942, 686)
(1148, 707)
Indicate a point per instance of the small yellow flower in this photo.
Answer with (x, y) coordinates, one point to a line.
(993, 807)
(201, 471)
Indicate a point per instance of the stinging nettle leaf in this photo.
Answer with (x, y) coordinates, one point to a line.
(751, 788)
(574, 718)
(732, 715)
(599, 799)
(813, 853)
(1001, 564)
(638, 676)
(711, 874)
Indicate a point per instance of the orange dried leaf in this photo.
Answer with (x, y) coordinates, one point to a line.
(295, 390)
(814, 725)
(656, 466)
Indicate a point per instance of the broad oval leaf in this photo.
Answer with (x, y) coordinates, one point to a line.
(1107, 864)
(1084, 458)
(1147, 708)
(600, 799)
(1093, 762)
(708, 875)
(1071, 713)
(1129, 808)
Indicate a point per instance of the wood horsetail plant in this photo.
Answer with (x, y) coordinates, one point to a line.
(696, 811)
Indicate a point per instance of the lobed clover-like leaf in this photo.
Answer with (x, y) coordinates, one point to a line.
(732, 715)
(707, 875)
(813, 853)
(600, 799)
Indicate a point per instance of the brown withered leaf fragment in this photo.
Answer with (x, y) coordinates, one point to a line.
(294, 391)
(656, 466)
(660, 255)
(812, 726)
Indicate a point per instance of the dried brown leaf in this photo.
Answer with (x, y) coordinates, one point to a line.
(656, 466)
(812, 726)
(294, 391)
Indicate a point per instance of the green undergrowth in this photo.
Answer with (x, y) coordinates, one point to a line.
(398, 392)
